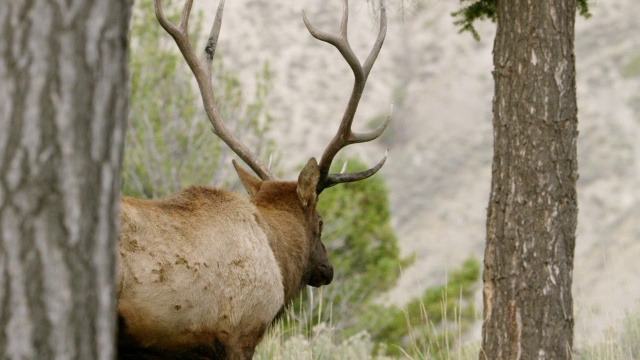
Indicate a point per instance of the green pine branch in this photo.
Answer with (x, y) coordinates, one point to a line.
(486, 9)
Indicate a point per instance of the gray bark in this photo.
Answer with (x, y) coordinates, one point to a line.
(63, 104)
(532, 213)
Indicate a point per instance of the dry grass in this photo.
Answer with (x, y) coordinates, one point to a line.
(286, 342)
(618, 343)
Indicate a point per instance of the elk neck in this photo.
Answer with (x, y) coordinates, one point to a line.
(286, 228)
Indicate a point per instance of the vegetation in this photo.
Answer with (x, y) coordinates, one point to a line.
(289, 343)
(474, 10)
(619, 344)
(169, 144)
(361, 243)
(429, 327)
(364, 251)
(435, 320)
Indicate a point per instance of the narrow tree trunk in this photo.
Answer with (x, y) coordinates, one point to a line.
(63, 102)
(532, 211)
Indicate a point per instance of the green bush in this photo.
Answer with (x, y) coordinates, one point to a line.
(362, 248)
(430, 325)
(359, 235)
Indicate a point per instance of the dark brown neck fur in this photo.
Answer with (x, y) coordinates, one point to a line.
(279, 205)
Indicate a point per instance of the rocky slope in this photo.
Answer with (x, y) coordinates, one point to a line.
(441, 138)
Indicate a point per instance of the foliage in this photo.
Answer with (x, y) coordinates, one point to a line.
(486, 9)
(169, 144)
(478, 10)
(358, 231)
(430, 325)
(362, 248)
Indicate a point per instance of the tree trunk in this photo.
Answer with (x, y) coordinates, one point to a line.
(63, 104)
(532, 211)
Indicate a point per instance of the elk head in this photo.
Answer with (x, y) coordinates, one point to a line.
(299, 198)
(315, 177)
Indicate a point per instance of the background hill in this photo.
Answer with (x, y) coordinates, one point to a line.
(440, 140)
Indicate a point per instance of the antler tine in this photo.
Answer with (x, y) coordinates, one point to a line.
(212, 41)
(335, 179)
(340, 41)
(345, 136)
(382, 33)
(202, 73)
(374, 134)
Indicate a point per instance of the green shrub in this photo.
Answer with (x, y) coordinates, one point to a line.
(430, 325)
(362, 248)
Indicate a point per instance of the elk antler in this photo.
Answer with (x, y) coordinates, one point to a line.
(202, 72)
(345, 136)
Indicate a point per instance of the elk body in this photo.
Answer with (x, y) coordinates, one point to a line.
(210, 267)
(203, 273)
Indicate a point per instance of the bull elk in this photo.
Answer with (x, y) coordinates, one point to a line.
(203, 273)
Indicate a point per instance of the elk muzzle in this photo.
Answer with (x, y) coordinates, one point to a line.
(323, 275)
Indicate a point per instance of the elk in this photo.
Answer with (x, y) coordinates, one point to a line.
(204, 272)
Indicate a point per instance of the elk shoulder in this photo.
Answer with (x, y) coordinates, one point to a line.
(194, 267)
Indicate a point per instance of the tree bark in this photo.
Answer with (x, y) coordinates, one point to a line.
(532, 213)
(63, 104)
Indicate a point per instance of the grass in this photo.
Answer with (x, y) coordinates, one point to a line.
(282, 345)
(279, 345)
(440, 325)
(285, 341)
(621, 343)
(290, 340)
(428, 336)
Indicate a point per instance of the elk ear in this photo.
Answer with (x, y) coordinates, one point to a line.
(251, 183)
(307, 183)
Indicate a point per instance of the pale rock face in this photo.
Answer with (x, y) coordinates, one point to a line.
(440, 139)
